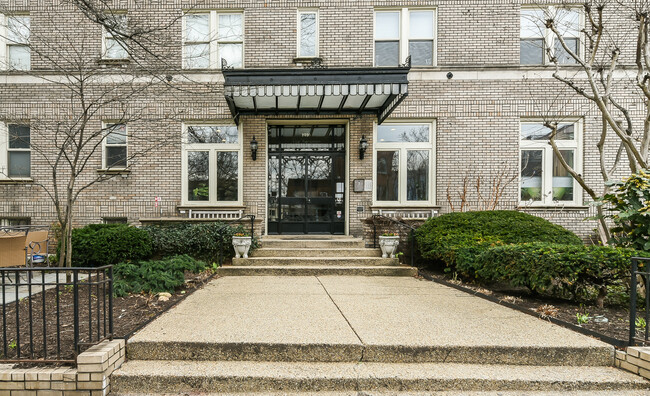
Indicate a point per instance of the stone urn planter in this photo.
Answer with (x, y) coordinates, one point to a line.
(388, 245)
(242, 245)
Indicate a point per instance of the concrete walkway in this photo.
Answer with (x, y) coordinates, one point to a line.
(37, 281)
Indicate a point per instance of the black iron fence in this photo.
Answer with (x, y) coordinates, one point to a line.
(53, 314)
(639, 319)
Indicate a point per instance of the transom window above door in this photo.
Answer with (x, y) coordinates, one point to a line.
(404, 164)
(404, 32)
(210, 36)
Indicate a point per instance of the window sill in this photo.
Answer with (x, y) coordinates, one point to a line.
(114, 62)
(115, 171)
(207, 206)
(17, 181)
(570, 207)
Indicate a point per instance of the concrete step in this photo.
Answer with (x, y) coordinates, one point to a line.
(316, 270)
(308, 260)
(619, 392)
(312, 243)
(322, 252)
(516, 355)
(200, 376)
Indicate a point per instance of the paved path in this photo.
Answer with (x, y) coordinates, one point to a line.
(37, 281)
(367, 311)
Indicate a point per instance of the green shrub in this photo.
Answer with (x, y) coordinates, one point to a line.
(456, 239)
(101, 244)
(567, 271)
(201, 241)
(154, 276)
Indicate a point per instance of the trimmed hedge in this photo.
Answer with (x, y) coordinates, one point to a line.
(102, 244)
(154, 276)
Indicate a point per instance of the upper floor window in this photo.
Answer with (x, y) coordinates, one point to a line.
(538, 44)
(211, 36)
(307, 34)
(544, 180)
(115, 147)
(15, 42)
(404, 32)
(15, 151)
(113, 46)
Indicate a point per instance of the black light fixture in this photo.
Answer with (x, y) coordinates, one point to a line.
(254, 148)
(363, 146)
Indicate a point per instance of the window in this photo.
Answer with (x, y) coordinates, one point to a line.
(211, 164)
(307, 34)
(544, 181)
(404, 32)
(113, 47)
(535, 38)
(115, 220)
(15, 51)
(15, 151)
(403, 163)
(211, 36)
(115, 146)
(14, 221)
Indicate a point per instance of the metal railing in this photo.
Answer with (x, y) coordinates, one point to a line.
(639, 324)
(384, 220)
(50, 315)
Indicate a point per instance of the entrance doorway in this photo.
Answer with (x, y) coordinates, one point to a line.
(306, 179)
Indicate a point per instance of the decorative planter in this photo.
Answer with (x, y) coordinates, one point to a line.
(241, 245)
(388, 245)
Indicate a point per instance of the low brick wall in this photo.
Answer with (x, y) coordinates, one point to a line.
(90, 377)
(635, 360)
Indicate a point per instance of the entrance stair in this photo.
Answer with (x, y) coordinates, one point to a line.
(308, 255)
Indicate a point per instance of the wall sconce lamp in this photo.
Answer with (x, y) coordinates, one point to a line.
(254, 148)
(363, 146)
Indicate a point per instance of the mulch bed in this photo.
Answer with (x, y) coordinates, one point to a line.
(610, 321)
(130, 313)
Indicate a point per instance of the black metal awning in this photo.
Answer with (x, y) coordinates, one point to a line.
(315, 91)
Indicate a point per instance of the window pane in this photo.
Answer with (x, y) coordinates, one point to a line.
(227, 168)
(421, 53)
(198, 179)
(197, 56)
(386, 25)
(565, 132)
(232, 53)
(562, 55)
(402, 133)
(387, 53)
(114, 50)
(417, 175)
(537, 131)
(18, 137)
(568, 22)
(116, 156)
(421, 24)
(230, 27)
(197, 27)
(387, 175)
(531, 52)
(19, 57)
(212, 134)
(116, 134)
(308, 34)
(19, 163)
(532, 23)
(531, 175)
(562, 180)
(18, 29)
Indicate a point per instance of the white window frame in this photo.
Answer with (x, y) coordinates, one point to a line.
(108, 35)
(212, 149)
(549, 37)
(5, 43)
(403, 147)
(547, 163)
(404, 30)
(4, 153)
(215, 59)
(300, 13)
(106, 131)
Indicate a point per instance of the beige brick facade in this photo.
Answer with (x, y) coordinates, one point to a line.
(476, 112)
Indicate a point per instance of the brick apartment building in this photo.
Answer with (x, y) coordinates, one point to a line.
(311, 115)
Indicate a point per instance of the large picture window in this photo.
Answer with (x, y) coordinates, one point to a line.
(211, 36)
(404, 163)
(403, 32)
(211, 164)
(543, 179)
(536, 38)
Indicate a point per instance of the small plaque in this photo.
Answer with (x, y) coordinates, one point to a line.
(359, 185)
(367, 186)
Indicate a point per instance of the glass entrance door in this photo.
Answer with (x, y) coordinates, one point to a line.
(306, 187)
